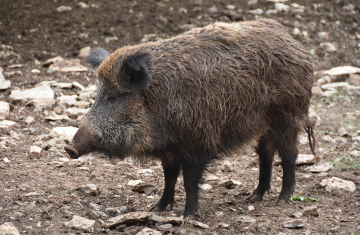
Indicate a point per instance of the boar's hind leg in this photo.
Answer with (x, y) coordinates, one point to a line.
(265, 150)
(288, 152)
(171, 172)
(192, 176)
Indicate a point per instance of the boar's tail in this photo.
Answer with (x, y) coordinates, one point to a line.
(309, 128)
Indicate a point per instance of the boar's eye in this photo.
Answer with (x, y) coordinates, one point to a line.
(110, 99)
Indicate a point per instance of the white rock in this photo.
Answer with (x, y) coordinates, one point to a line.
(86, 95)
(271, 11)
(282, 7)
(7, 124)
(182, 10)
(84, 52)
(211, 177)
(83, 5)
(296, 223)
(314, 116)
(76, 111)
(66, 133)
(63, 85)
(4, 84)
(336, 183)
(35, 151)
(328, 139)
(41, 94)
(274, 1)
(29, 120)
(250, 2)
(323, 80)
(62, 65)
(251, 208)
(36, 71)
(80, 223)
(335, 85)
(57, 118)
(82, 104)
(328, 47)
(8, 229)
(149, 231)
(5, 159)
(133, 183)
(213, 10)
(55, 60)
(78, 85)
(206, 187)
(63, 8)
(341, 70)
(145, 172)
(355, 153)
(258, 11)
(199, 224)
(4, 110)
(324, 35)
(232, 7)
(296, 31)
(109, 39)
(322, 167)
(69, 100)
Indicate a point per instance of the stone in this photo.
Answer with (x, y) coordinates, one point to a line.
(302, 159)
(343, 132)
(335, 85)
(282, 7)
(4, 84)
(149, 231)
(164, 227)
(163, 220)
(251, 208)
(83, 5)
(4, 110)
(127, 218)
(84, 52)
(29, 120)
(333, 183)
(7, 124)
(341, 73)
(252, 2)
(80, 223)
(63, 8)
(322, 167)
(229, 183)
(245, 221)
(213, 10)
(199, 224)
(109, 39)
(57, 59)
(57, 118)
(328, 47)
(35, 71)
(76, 162)
(323, 80)
(296, 31)
(35, 151)
(258, 11)
(40, 95)
(46, 215)
(328, 139)
(8, 229)
(89, 189)
(78, 85)
(355, 153)
(63, 85)
(296, 223)
(66, 133)
(117, 210)
(314, 116)
(297, 214)
(324, 36)
(316, 91)
(211, 177)
(311, 210)
(69, 100)
(206, 187)
(76, 111)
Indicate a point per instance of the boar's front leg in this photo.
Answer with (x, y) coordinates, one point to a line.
(171, 171)
(192, 176)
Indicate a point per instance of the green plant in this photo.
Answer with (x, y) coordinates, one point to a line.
(302, 198)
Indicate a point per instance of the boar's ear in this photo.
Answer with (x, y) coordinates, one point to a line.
(136, 70)
(96, 57)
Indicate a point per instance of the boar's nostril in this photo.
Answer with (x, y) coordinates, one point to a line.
(72, 152)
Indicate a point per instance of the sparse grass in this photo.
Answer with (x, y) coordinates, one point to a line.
(346, 162)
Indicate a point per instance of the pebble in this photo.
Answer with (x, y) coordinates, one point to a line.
(328, 47)
(336, 183)
(296, 223)
(126, 218)
(66, 133)
(311, 210)
(164, 227)
(63, 8)
(84, 52)
(206, 187)
(4, 84)
(149, 231)
(297, 214)
(90, 189)
(35, 71)
(199, 224)
(80, 223)
(41, 95)
(35, 151)
(4, 109)
(8, 229)
(282, 7)
(69, 100)
(117, 210)
(29, 120)
(6, 124)
(316, 91)
(245, 221)
(258, 11)
(83, 5)
(109, 39)
(321, 167)
(324, 35)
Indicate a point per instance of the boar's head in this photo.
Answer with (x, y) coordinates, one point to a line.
(117, 123)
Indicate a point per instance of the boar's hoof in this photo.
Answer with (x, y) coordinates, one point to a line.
(72, 152)
(255, 198)
(282, 200)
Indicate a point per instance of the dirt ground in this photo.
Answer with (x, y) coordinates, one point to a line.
(38, 197)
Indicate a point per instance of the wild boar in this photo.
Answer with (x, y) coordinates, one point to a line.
(201, 96)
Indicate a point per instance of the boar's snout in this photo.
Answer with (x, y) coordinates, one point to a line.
(72, 152)
(83, 142)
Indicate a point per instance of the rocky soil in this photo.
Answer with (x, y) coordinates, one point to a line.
(46, 88)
